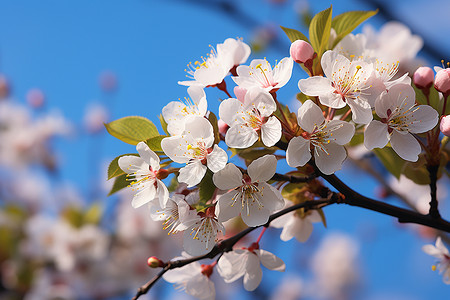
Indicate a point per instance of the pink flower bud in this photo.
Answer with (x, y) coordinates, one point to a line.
(301, 51)
(154, 262)
(442, 81)
(445, 125)
(35, 98)
(423, 77)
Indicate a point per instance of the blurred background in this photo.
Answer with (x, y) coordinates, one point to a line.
(68, 66)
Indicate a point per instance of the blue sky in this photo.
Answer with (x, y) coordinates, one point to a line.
(61, 47)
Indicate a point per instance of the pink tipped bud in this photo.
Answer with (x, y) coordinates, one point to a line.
(154, 262)
(223, 127)
(240, 93)
(423, 77)
(442, 81)
(35, 98)
(108, 81)
(162, 174)
(445, 125)
(301, 51)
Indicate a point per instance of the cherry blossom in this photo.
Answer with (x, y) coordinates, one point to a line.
(247, 119)
(202, 229)
(145, 174)
(176, 112)
(176, 209)
(440, 252)
(193, 278)
(249, 194)
(195, 147)
(236, 49)
(325, 137)
(399, 118)
(346, 82)
(260, 74)
(246, 263)
(295, 224)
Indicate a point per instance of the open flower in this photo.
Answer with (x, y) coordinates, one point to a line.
(176, 112)
(193, 278)
(145, 174)
(202, 229)
(248, 195)
(399, 118)
(246, 262)
(346, 82)
(260, 74)
(295, 224)
(440, 252)
(325, 137)
(247, 119)
(195, 147)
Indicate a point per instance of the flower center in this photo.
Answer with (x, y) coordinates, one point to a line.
(346, 84)
(321, 135)
(206, 62)
(248, 194)
(253, 119)
(401, 118)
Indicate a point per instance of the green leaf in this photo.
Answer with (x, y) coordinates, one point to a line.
(390, 160)
(154, 143)
(206, 188)
(132, 130)
(319, 31)
(114, 170)
(294, 35)
(213, 120)
(417, 171)
(120, 182)
(357, 139)
(345, 23)
(163, 123)
(93, 215)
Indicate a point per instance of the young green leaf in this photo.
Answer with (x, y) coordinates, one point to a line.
(213, 120)
(206, 188)
(120, 182)
(132, 130)
(154, 143)
(390, 160)
(294, 35)
(345, 23)
(319, 31)
(163, 123)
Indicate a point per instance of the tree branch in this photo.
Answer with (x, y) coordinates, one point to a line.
(227, 245)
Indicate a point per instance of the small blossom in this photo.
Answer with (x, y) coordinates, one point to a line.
(441, 253)
(193, 278)
(247, 119)
(195, 147)
(176, 112)
(324, 137)
(248, 195)
(144, 172)
(246, 263)
(346, 82)
(399, 118)
(295, 224)
(260, 74)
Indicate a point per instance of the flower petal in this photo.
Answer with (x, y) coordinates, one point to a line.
(226, 207)
(342, 131)
(192, 173)
(217, 159)
(298, 152)
(262, 169)
(426, 116)
(361, 111)
(253, 276)
(240, 136)
(331, 162)
(228, 178)
(316, 86)
(125, 162)
(144, 196)
(376, 135)
(231, 265)
(271, 131)
(405, 145)
(228, 109)
(309, 115)
(148, 155)
(270, 260)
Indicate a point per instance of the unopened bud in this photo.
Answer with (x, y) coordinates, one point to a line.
(445, 125)
(154, 262)
(423, 77)
(162, 174)
(301, 51)
(442, 81)
(207, 270)
(35, 98)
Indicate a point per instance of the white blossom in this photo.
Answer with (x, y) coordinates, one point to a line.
(441, 253)
(144, 172)
(324, 137)
(248, 195)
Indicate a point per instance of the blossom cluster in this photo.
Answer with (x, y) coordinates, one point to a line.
(357, 87)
